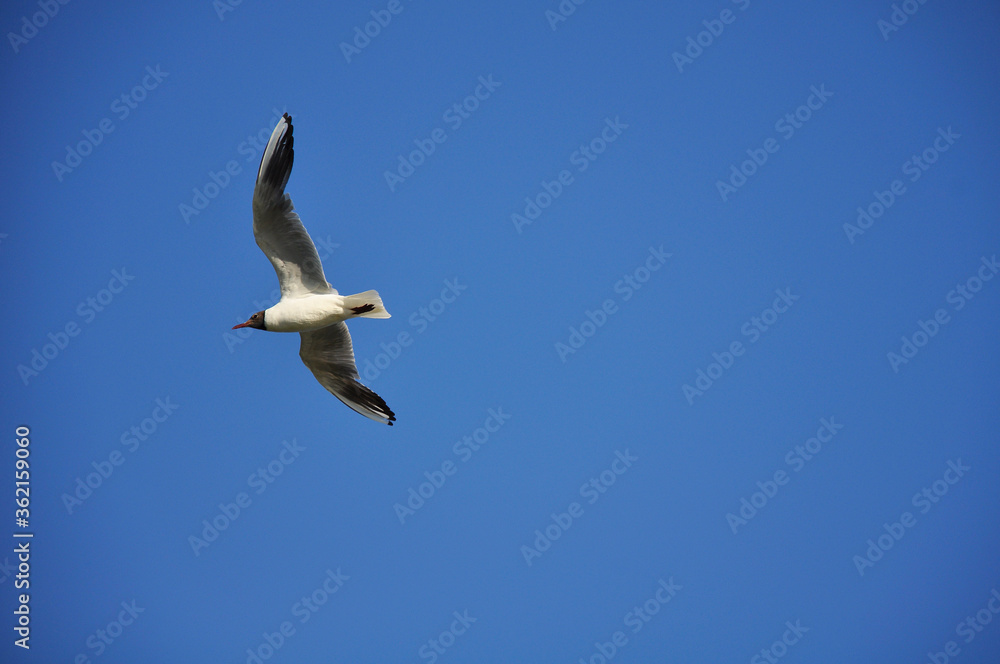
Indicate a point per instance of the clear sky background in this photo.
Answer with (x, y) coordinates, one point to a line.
(127, 263)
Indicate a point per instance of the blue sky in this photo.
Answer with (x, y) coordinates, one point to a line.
(693, 349)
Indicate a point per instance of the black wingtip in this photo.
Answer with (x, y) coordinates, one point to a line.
(279, 168)
(360, 398)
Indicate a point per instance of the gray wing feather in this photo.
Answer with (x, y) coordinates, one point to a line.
(277, 228)
(329, 354)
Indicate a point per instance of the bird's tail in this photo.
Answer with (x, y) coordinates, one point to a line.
(366, 305)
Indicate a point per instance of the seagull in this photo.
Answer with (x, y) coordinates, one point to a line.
(309, 305)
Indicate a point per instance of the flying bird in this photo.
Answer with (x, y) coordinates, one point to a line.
(309, 305)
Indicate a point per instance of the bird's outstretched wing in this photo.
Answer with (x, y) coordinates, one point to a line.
(277, 228)
(328, 353)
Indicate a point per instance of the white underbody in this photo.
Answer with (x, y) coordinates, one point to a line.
(302, 314)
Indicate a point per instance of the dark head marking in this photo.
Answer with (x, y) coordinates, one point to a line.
(257, 321)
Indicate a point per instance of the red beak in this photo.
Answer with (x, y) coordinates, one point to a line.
(241, 325)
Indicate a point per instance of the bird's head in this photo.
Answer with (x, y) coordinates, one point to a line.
(257, 320)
